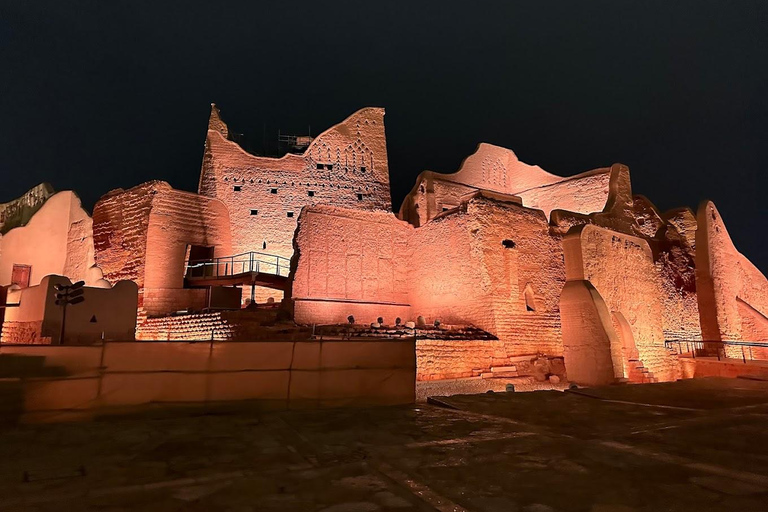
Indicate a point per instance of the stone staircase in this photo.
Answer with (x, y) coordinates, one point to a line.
(639, 374)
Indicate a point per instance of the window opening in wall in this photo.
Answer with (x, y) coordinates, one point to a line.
(508, 244)
(530, 299)
(237, 188)
(20, 275)
(264, 245)
(254, 212)
(359, 197)
(289, 214)
(362, 168)
(311, 193)
(319, 166)
(329, 167)
(445, 208)
(273, 191)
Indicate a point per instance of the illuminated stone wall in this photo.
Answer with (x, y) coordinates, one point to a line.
(498, 169)
(732, 292)
(143, 234)
(105, 313)
(489, 263)
(56, 240)
(345, 166)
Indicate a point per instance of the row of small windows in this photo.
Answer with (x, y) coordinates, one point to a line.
(256, 212)
(310, 193)
(239, 188)
(290, 214)
(329, 167)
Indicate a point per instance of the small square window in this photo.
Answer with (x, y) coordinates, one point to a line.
(359, 197)
(311, 193)
(254, 212)
(237, 188)
(329, 167)
(273, 191)
(362, 168)
(289, 214)
(319, 166)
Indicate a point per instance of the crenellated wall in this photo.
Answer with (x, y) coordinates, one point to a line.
(345, 166)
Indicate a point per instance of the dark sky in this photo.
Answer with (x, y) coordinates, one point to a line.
(96, 96)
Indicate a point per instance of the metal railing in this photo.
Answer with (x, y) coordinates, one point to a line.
(227, 266)
(745, 350)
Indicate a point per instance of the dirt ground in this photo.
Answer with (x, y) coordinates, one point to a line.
(692, 445)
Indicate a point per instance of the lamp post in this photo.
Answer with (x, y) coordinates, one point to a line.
(68, 295)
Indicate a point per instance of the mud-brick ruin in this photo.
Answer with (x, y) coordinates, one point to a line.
(498, 269)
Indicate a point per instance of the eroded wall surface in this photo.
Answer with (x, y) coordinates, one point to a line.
(622, 270)
(18, 212)
(143, 234)
(732, 292)
(498, 170)
(345, 166)
(56, 240)
(488, 263)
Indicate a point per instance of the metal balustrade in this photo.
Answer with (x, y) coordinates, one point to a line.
(238, 264)
(721, 349)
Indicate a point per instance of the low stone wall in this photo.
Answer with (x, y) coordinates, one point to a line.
(120, 375)
(731, 368)
(192, 327)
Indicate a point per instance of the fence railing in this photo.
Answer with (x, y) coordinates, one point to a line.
(744, 350)
(227, 266)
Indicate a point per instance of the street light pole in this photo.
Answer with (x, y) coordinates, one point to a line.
(66, 295)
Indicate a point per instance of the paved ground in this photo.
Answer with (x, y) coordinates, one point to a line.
(695, 445)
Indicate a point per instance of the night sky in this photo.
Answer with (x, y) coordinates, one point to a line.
(96, 96)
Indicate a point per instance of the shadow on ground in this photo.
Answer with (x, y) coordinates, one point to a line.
(691, 445)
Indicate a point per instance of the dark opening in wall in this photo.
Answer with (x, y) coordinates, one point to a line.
(237, 188)
(508, 244)
(362, 168)
(254, 212)
(273, 191)
(289, 214)
(311, 193)
(445, 208)
(359, 197)
(264, 245)
(319, 166)
(530, 298)
(329, 167)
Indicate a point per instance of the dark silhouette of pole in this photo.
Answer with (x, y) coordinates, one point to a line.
(68, 295)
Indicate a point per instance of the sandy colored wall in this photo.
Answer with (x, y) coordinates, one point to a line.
(585, 193)
(56, 240)
(350, 262)
(498, 169)
(142, 234)
(119, 375)
(732, 292)
(455, 269)
(106, 312)
(621, 270)
(354, 174)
